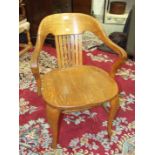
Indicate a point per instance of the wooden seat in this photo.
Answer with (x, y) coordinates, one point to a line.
(74, 86)
(65, 89)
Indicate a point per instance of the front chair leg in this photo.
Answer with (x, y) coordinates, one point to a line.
(53, 119)
(112, 113)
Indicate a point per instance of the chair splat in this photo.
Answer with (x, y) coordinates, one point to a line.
(69, 50)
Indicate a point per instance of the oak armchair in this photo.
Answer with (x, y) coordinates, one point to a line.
(74, 86)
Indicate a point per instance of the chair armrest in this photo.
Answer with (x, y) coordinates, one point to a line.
(122, 56)
(35, 70)
(34, 62)
(121, 52)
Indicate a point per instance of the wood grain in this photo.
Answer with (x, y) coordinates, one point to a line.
(77, 87)
(114, 105)
(74, 86)
(69, 50)
(53, 119)
(72, 24)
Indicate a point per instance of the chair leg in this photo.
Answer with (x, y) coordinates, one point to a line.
(112, 113)
(53, 115)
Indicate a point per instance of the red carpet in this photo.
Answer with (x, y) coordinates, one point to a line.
(81, 133)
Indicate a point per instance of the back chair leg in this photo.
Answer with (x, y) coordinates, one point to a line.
(112, 113)
(53, 115)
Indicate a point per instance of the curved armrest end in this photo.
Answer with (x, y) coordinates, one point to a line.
(35, 71)
(119, 62)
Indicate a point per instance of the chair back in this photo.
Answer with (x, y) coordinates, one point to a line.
(67, 29)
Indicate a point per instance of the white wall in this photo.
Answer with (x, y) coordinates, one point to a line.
(98, 8)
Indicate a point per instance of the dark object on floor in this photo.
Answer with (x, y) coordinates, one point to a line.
(119, 38)
(103, 47)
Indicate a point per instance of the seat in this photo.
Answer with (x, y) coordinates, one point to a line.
(66, 89)
(74, 86)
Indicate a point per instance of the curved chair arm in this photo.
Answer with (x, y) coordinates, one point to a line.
(34, 61)
(121, 52)
(122, 56)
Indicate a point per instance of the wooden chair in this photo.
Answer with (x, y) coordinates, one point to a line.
(74, 86)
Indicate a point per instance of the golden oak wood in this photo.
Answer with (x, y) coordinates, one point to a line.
(114, 105)
(73, 86)
(77, 87)
(53, 119)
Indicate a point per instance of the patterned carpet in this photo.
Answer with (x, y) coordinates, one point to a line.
(81, 133)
